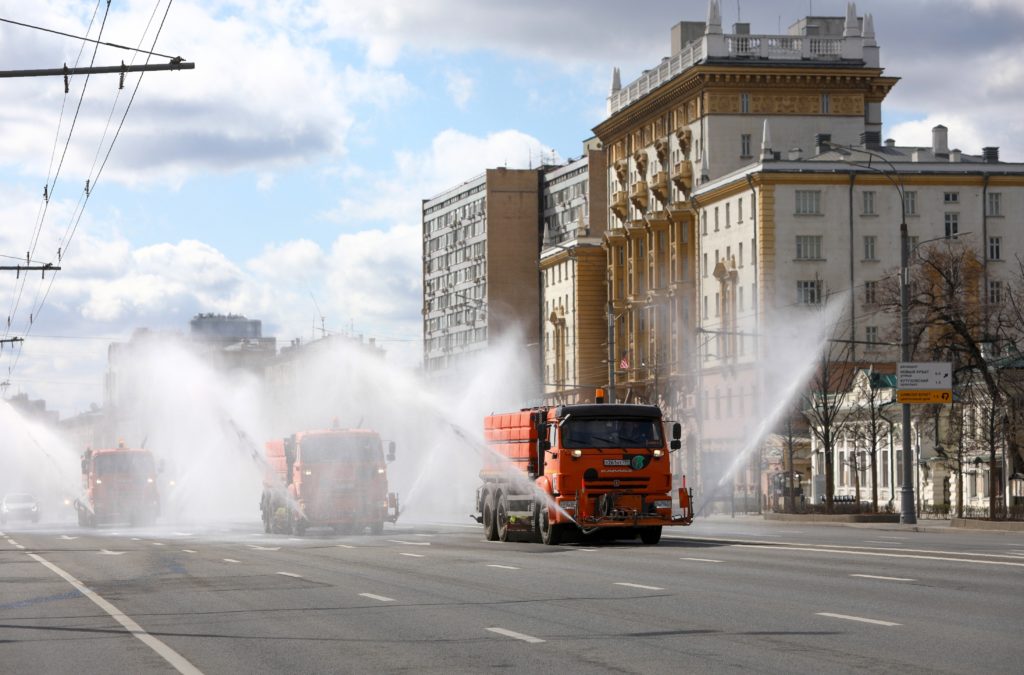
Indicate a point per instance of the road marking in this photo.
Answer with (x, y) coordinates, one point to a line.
(382, 598)
(859, 618)
(231, 560)
(290, 574)
(424, 535)
(885, 555)
(646, 588)
(410, 543)
(183, 534)
(516, 636)
(67, 538)
(872, 576)
(264, 548)
(133, 538)
(412, 555)
(703, 560)
(883, 536)
(177, 661)
(504, 567)
(104, 551)
(344, 546)
(157, 543)
(188, 550)
(586, 550)
(873, 541)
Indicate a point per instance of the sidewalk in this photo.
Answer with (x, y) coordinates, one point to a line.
(878, 522)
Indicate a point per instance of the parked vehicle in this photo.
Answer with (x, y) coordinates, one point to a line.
(119, 486)
(19, 506)
(579, 470)
(335, 478)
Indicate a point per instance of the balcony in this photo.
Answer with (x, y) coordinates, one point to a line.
(638, 194)
(659, 186)
(683, 176)
(620, 204)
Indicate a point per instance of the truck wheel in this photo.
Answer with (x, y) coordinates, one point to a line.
(501, 516)
(650, 535)
(490, 524)
(550, 533)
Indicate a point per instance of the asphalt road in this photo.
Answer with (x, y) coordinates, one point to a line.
(722, 596)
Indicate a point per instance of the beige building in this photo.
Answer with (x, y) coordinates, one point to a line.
(480, 275)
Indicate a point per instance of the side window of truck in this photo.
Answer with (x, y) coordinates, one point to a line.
(553, 435)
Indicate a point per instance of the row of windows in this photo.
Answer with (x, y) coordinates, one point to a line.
(467, 211)
(809, 292)
(456, 235)
(808, 202)
(559, 197)
(458, 339)
(809, 247)
(722, 215)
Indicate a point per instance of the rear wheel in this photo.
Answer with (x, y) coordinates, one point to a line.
(490, 523)
(550, 533)
(650, 535)
(501, 517)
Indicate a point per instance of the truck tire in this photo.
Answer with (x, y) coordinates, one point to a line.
(490, 524)
(650, 535)
(501, 516)
(550, 533)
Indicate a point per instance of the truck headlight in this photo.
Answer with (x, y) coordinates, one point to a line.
(99, 481)
(149, 480)
(663, 504)
(380, 470)
(658, 452)
(577, 453)
(308, 472)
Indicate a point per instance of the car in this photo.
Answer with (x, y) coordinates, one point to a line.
(19, 506)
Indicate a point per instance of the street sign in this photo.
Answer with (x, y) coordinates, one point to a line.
(925, 382)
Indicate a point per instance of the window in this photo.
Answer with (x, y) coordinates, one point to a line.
(871, 335)
(950, 197)
(952, 224)
(704, 222)
(705, 306)
(995, 292)
(744, 102)
(705, 264)
(993, 248)
(808, 292)
(910, 203)
(740, 297)
(869, 247)
(868, 203)
(808, 247)
(718, 304)
(741, 254)
(745, 145)
(825, 104)
(808, 202)
(994, 204)
(716, 219)
(739, 210)
(727, 218)
(870, 288)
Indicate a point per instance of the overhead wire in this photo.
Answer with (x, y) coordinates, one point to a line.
(85, 39)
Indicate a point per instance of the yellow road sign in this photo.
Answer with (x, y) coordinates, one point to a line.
(924, 396)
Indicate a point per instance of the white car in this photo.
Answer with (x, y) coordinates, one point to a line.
(19, 506)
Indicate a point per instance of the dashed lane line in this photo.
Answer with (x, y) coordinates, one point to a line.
(710, 560)
(344, 546)
(641, 586)
(847, 551)
(381, 598)
(176, 660)
(504, 567)
(861, 619)
(873, 576)
(412, 555)
(515, 636)
(231, 560)
(409, 543)
(187, 550)
(293, 575)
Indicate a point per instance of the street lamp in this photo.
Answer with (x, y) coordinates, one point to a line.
(907, 512)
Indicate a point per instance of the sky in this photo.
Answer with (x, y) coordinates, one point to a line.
(282, 178)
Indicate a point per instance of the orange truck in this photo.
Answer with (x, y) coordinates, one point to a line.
(329, 478)
(119, 486)
(560, 472)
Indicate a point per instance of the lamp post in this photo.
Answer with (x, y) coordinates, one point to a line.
(907, 511)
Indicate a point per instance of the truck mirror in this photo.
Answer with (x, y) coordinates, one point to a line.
(391, 451)
(545, 445)
(675, 444)
(677, 431)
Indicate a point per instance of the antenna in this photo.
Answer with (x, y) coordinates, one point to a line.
(323, 329)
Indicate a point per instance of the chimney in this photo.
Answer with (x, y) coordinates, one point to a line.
(990, 154)
(871, 139)
(890, 142)
(955, 155)
(940, 141)
(796, 154)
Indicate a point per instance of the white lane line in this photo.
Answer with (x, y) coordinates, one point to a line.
(516, 636)
(409, 543)
(344, 546)
(646, 588)
(133, 538)
(382, 598)
(290, 574)
(177, 661)
(231, 560)
(412, 555)
(67, 538)
(872, 576)
(183, 534)
(504, 567)
(188, 550)
(264, 548)
(711, 560)
(586, 550)
(882, 555)
(104, 551)
(157, 543)
(424, 535)
(883, 536)
(877, 622)
(874, 541)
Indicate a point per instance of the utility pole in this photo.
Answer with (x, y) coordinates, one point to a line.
(175, 64)
(30, 268)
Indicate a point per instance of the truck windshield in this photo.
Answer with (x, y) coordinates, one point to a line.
(134, 463)
(611, 433)
(339, 447)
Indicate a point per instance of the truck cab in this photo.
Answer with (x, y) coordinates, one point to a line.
(119, 486)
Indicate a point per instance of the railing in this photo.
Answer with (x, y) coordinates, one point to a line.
(654, 78)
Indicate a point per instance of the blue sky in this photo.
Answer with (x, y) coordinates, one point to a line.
(285, 173)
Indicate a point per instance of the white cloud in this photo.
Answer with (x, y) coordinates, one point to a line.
(459, 87)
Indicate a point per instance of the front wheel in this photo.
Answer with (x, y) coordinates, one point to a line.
(650, 535)
(501, 517)
(490, 522)
(550, 533)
